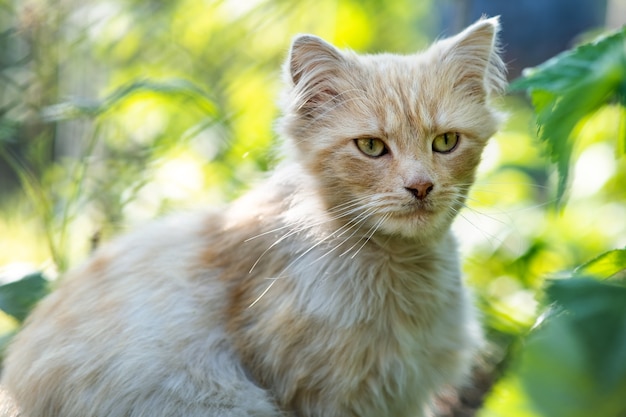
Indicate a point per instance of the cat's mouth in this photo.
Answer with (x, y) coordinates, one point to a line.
(419, 207)
(415, 210)
(413, 220)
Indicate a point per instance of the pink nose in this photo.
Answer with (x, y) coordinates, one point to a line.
(421, 189)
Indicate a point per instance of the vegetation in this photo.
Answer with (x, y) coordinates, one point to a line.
(113, 112)
(574, 363)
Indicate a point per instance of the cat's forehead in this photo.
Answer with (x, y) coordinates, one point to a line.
(413, 93)
(402, 91)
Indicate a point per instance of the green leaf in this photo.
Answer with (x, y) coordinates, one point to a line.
(571, 86)
(621, 144)
(604, 266)
(598, 313)
(565, 70)
(8, 130)
(19, 297)
(574, 364)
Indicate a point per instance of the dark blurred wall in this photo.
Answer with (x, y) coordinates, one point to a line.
(532, 30)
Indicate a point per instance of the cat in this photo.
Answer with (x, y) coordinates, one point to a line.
(332, 288)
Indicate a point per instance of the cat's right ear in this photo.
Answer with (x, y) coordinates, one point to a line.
(313, 67)
(311, 57)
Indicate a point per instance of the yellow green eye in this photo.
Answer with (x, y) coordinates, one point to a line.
(371, 146)
(446, 142)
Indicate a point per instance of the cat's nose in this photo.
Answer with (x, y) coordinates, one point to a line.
(421, 189)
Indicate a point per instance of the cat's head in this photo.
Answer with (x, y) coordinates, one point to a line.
(396, 138)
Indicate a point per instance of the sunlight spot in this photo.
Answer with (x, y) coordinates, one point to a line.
(179, 177)
(523, 303)
(16, 271)
(491, 157)
(237, 9)
(592, 170)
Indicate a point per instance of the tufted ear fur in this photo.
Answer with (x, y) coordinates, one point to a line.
(473, 56)
(312, 69)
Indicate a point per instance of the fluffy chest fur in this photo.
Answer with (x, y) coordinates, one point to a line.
(340, 322)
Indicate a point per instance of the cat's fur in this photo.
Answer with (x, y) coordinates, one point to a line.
(331, 289)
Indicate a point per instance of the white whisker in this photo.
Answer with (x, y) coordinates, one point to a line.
(364, 210)
(488, 236)
(264, 292)
(338, 208)
(354, 207)
(319, 242)
(374, 229)
(359, 223)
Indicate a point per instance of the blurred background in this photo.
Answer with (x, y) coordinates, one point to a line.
(113, 112)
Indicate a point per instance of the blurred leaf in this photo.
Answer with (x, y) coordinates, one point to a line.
(19, 297)
(82, 108)
(507, 399)
(8, 130)
(574, 364)
(571, 86)
(606, 265)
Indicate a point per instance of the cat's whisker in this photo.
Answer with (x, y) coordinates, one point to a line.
(297, 259)
(374, 229)
(357, 242)
(459, 197)
(350, 225)
(357, 202)
(353, 226)
(380, 198)
(319, 242)
(359, 220)
(348, 205)
(354, 207)
(507, 213)
(264, 292)
(488, 236)
(480, 185)
(490, 216)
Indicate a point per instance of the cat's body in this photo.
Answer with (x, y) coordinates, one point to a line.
(331, 289)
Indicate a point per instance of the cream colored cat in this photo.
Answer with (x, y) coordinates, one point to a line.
(331, 289)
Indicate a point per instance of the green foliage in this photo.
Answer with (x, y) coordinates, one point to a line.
(18, 298)
(570, 87)
(574, 364)
(173, 88)
(56, 220)
(609, 264)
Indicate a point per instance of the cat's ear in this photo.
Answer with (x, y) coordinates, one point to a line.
(313, 66)
(310, 56)
(474, 57)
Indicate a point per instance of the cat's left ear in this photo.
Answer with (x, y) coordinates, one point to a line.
(474, 57)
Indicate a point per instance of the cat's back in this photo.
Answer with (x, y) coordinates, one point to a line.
(134, 321)
(132, 297)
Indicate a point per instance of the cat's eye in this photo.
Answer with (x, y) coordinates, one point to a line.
(446, 142)
(373, 147)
